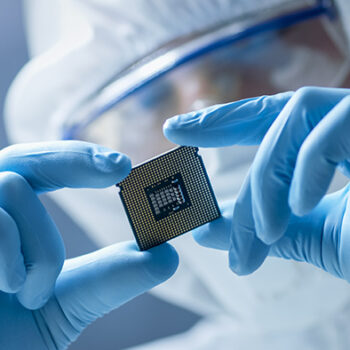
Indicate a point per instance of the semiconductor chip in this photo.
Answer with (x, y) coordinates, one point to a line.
(167, 196)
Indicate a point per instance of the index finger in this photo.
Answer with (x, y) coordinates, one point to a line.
(242, 122)
(49, 166)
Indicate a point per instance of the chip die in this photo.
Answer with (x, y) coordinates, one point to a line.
(167, 196)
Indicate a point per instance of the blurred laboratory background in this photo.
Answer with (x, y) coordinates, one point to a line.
(141, 320)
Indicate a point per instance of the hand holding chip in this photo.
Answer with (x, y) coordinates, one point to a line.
(282, 209)
(45, 306)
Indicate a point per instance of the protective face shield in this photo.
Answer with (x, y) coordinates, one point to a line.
(226, 52)
(254, 55)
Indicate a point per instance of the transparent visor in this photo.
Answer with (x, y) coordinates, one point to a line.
(270, 57)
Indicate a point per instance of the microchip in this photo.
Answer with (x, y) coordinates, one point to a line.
(168, 196)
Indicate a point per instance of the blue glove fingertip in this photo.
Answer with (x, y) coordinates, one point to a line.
(268, 235)
(108, 161)
(210, 238)
(216, 234)
(236, 265)
(176, 129)
(255, 253)
(122, 162)
(161, 262)
(36, 302)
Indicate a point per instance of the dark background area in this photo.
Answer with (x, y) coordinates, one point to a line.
(143, 319)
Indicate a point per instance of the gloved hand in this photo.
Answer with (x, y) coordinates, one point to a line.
(41, 306)
(282, 209)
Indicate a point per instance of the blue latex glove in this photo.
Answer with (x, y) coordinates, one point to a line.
(282, 209)
(32, 252)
